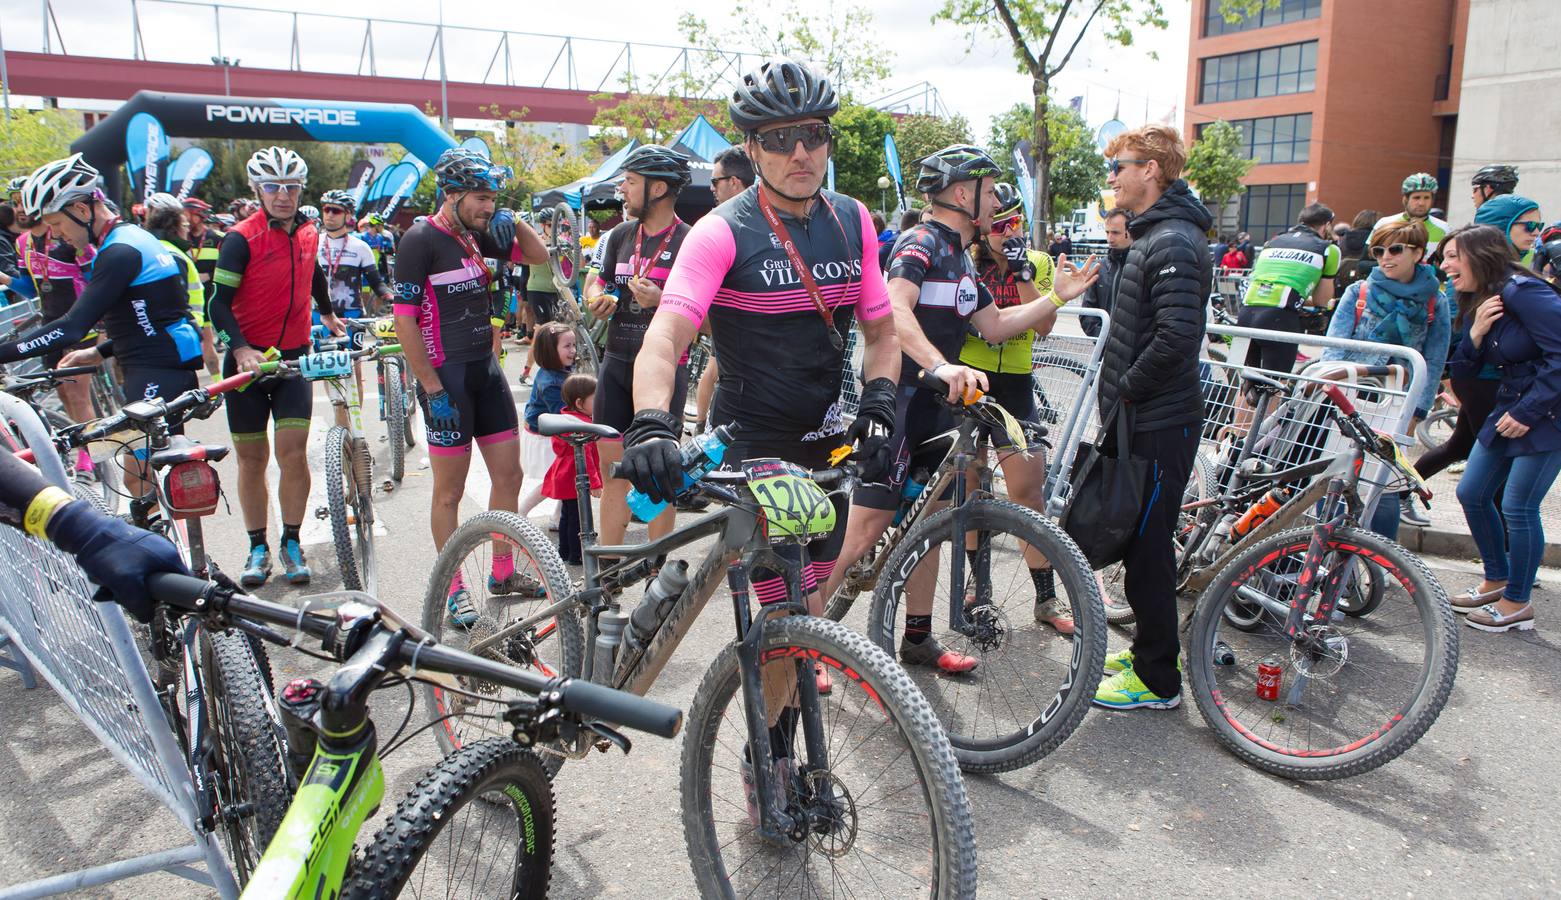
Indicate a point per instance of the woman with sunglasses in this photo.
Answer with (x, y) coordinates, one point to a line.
(1514, 323)
(1397, 304)
(1015, 275)
(1516, 217)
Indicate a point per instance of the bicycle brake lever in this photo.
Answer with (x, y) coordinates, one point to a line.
(610, 735)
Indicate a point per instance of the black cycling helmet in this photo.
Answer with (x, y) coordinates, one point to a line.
(953, 164)
(459, 170)
(340, 198)
(1501, 178)
(660, 163)
(1009, 201)
(778, 91)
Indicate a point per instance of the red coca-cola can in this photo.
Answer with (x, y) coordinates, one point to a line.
(1269, 676)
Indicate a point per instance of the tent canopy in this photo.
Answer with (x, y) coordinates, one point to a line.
(700, 142)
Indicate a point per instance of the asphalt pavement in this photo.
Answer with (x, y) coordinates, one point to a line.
(1140, 802)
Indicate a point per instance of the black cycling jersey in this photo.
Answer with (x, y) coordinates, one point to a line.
(780, 374)
(136, 288)
(931, 256)
(447, 284)
(621, 261)
(53, 276)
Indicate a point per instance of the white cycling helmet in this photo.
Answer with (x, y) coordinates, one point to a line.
(276, 164)
(53, 185)
(163, 201)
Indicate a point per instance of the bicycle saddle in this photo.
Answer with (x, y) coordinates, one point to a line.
(182, 449)
(572, 429)
(1262, 383)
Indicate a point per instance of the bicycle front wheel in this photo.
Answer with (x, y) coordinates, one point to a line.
(1437, 428)
(1349, 695)
(396, 420)
(464, 578)
(249, 772)
(438, 843)
(1032, 684)
(882, 812)
(352, 527)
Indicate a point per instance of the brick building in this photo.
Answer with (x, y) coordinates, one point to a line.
(1337, 100)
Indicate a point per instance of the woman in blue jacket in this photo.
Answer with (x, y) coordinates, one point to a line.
(1397, 304)
(1514, 323)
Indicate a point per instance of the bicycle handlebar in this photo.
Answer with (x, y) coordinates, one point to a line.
(198, 596)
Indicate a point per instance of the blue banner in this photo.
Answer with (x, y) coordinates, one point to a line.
(1026, 183)
(359, 177)
(403, 181)
(478, 144)
(891, 156)
(146, 154)
(829, 175)
(188, 171)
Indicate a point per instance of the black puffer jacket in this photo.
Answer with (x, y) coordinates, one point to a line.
(1151, 355)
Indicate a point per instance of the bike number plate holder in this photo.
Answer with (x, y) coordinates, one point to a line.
(796, 509)
(330, 364)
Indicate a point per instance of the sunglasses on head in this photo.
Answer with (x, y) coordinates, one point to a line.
(785, 139)
(1530, 227)
(1379, 251)
(274, 187)
(1114, 166)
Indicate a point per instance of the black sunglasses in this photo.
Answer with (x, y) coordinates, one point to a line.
(332, 210)
(1114, 166)
(785, 139)
(1379, 251)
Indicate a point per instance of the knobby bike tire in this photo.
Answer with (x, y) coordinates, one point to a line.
(562, 649)
(1200, 486)
(1401, 729)
(395, 400)
(244, 733)
(587, 360)
(1036, 732)
(856, 580)
(849, 656)
(515, 788)
(409, 401)
(1427, 432)
(338, 477)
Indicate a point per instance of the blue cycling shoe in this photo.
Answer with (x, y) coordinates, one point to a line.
(293, 559)
(462, 611)
(257, 569)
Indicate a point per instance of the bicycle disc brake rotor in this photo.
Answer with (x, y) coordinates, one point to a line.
(1323, 654)
(989, 627)
(831, 814)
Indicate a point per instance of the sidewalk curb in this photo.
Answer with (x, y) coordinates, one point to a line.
(1456, 544)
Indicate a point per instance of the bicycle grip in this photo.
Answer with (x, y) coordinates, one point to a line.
(1336, 394)
(177, 591)
(621, 708)
(69, 371)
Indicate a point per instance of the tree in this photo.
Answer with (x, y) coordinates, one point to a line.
(858, 151)
(839, 40)
(33, 137)
(655, 118)
(1215, 165)
(1077, 171)
(539, 162)
(328, 166)
(1034, 28)
(918, 136)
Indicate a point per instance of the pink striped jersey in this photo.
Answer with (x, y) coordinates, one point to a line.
(451, 291)
(780, 373)
(621, 260)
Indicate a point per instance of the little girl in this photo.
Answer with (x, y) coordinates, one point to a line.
(579, 394)
(554, 345)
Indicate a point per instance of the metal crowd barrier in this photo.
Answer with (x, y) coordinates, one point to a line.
(1296, 430)
(85, 650)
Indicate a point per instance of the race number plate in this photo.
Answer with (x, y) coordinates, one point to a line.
(330, 364)
(385, 329)
(795, 507)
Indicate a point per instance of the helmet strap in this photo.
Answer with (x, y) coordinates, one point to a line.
(972, 216)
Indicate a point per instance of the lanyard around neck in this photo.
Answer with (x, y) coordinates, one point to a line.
(801, 266)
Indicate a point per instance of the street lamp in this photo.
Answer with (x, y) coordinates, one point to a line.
(883, 193)
(225, 63)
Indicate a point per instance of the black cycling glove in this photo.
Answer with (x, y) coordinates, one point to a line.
(502, 229)
(872, 429)
(117, 556)
(651, 458)
(1017, 252)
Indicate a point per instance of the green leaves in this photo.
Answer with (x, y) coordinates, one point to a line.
(918, 136)
(1215, 166)
(34, 137)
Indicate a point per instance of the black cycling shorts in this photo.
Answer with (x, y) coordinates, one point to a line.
(1014, 392)
(483, 401)
(1275, 356)
(615, 393)
(542, 304)
(147, 383)
(287, 401)
(768, 585)
(919, 415)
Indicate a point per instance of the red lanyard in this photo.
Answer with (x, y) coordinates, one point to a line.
(639, 243)
(801, 266)
(467, 242)
(332, 264)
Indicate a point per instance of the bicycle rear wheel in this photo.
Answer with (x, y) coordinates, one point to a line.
(439, 843)
(888, 816)
(349, 498)
(1357, 697)
(1032, 685)
(552, 647)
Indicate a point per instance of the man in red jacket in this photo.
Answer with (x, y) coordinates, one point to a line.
(266, 276)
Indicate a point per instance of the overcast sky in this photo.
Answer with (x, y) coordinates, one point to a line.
(978, 84)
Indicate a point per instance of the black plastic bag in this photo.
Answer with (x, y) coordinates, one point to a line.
(1108, 494)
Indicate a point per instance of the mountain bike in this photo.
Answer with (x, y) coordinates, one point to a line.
(1288, 668)
(215, 686)
(93, 475)
(564, 259)
(855, 791)
(349, 464)
(397, 398)
(1032, 686)
(1437, 427)
(438, 841)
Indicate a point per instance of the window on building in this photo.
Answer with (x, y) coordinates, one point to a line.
(1285, 11)
(1290, 69)
(1270, 209)
(1276, 139)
